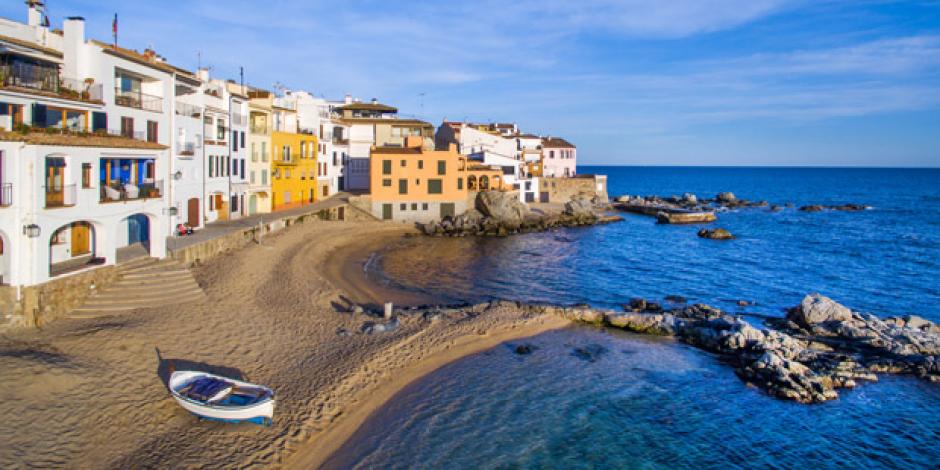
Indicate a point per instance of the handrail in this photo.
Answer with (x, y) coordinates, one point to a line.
(139, 100)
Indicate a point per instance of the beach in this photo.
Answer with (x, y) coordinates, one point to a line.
(90, 393)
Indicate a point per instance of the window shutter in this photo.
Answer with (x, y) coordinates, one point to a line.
(4, 109)
(39, 115)
(99, 121)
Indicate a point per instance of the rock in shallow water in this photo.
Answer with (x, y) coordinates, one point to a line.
(715, 234)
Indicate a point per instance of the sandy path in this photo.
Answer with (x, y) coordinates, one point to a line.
(86, 393)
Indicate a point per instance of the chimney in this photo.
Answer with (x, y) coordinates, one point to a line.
(347, 99)
(203, 74)
(73, 41)
(36, 9)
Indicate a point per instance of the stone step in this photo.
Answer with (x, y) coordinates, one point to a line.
(154, 296)
(137, 262)
(157, 274)
(167, 285)
(154, 267)
(90, 309)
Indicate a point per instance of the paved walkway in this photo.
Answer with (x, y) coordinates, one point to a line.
(225, 227)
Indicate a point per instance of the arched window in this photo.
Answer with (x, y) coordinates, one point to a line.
(484, 183)
(472, 182)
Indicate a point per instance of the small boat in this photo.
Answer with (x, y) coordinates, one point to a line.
(210, 396)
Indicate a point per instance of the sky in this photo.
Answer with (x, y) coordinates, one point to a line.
(630, 82)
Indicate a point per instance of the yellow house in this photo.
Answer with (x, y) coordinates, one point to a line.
(294, 163)
(411, 183)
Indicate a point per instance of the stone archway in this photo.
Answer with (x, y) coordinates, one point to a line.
(135, 236)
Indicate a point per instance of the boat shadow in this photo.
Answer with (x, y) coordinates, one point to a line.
(166, 367)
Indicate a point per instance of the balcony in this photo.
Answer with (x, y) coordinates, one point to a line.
(186, 149)
(60, 196)
(6, 194)
(123, 192)
(260, 129)
(136, 99)
(136, 135)
(46, 80)
(188, 110)
(288, 162)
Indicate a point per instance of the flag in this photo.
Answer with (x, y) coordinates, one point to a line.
(114, 25)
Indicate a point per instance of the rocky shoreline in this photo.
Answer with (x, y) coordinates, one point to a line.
(502, 214)
(807, 356)
(819, 347)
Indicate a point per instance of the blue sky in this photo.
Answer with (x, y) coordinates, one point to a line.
(683, 82)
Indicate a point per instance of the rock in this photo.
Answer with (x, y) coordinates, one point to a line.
(686, 217)
(812, 208)
(726, 198)
(589, 353)
(524, 349)
(715, 234)
(637, 304)
(580, 207)
(675, 299)
(744, 303)
(816, 308)
(503, 208)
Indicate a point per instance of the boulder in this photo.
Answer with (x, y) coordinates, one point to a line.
(812, 208)
(816, 308)
(726, 198)
(502, 208)
(580, 207)
(689, 217)
(715, 234)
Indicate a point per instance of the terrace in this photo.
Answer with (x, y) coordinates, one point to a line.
(34, 76)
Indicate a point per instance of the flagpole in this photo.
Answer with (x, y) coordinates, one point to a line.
(114, 29)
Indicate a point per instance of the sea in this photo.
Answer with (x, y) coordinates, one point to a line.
(641, 402)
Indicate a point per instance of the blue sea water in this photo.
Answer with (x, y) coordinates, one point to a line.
(654, 403)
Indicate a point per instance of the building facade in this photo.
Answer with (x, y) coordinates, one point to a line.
(294, 168)
(559, 158)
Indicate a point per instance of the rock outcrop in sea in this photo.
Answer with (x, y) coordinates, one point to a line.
(498, 213)
(820, 347)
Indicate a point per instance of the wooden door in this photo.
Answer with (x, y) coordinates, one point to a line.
(192, 212)
(386, 212)
(55, 184)
(81, 240)
(221, 207)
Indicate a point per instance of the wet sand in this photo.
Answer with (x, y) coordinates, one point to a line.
(90, 393)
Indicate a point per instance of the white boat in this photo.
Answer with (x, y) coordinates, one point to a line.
(218, 398)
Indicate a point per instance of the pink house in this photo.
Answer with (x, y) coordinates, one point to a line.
(559, 157)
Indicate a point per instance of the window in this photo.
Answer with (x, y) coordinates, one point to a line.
(460, 184)
(403, 206)
(264, 176)
(414, 206)
(220, 130)
(86, 175)
(386, 167)
(127, 127)
(243, 139)
(441, 167)
(335, 162)
(420, 164)
(234, 140)
(435, 187)
(242, 165)
(252, 180)
(402, 186)
(404, 163)
(264, 151)
(387, 182)
(424, 206)
(417, 182)
(287, 173)
(551, 154)
(210, 165)
(303, 175)
(254, 152)
(234, 203)
(228, 166)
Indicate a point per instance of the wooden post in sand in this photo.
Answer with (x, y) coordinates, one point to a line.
(388, 311)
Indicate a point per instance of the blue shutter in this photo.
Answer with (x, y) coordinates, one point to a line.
(99, 121)
(39, 115)
(4, 109)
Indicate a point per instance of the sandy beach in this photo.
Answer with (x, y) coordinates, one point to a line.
(90, 393)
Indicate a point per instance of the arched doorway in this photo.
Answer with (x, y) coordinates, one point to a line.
(72, 247)
(133, 237)
(484, 183)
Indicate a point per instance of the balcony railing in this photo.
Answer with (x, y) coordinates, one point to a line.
(186, 149)
(117, 191)
(6, 194)
(47, 79)
(138, 135)
(260, 129)
(60, 195)
(134, 99)
(189, 110)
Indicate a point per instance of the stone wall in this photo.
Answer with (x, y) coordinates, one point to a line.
(37, 305)
(561, 190)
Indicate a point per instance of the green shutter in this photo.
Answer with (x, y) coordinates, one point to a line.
(386, 167)
(442, 167)
(402, 186)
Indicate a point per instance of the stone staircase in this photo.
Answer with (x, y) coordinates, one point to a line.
(143, 283)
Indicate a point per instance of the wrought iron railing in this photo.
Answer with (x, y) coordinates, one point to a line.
(118, 191)
(136, 99)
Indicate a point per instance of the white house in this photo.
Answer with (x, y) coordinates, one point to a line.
(316, 116)
(94, 190)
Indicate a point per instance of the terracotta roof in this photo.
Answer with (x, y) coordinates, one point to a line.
(526, 136)
(79, 140)
(136, 57)
(31, 45)
(369, 107)
(393, 122)
(397, 150)
(557, 142)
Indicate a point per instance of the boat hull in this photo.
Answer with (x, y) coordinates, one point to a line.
(260, 413)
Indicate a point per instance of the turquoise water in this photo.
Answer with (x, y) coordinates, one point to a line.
(653, 403)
